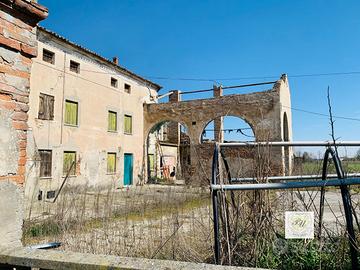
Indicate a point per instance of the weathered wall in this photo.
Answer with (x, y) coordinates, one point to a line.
(263, 111)
(18, 19)
(90, 139)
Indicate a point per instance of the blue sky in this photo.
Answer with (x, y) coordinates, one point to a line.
(231, 39)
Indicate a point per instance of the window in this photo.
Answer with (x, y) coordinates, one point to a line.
(69, 166)
(40, 195)
(151, 162)
(45, 163)
(71, 113)
(50, 194)
(74, 66)
(111, 163)
(128, 124)
(114, 82)
(112, 121)
(127, 88)
(48, 56)
(46, 107)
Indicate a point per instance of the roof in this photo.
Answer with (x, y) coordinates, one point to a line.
(103, 59)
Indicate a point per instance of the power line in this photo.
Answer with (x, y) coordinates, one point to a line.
(225, 87)
(255, 77)
(323, 114)
(234, 78)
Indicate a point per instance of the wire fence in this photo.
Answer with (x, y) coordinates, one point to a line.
(168, 221)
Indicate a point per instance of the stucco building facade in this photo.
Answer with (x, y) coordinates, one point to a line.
(85, 118)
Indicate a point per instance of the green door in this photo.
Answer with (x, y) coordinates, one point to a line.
(128, 169)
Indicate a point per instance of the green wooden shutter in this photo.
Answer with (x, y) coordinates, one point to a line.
(69, 158)
(111, 162)
(128, 124)
(71, 113)
(112, 121)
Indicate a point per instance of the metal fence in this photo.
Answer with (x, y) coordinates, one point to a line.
(288, 182)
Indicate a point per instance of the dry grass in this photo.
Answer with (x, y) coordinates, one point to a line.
(169, 222)
(150, 221)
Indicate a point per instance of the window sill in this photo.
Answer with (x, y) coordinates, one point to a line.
(114, 173)
(48, 63)
(70, 125)
(52, 120)
(45, 177)
(112, 131)
(126, 133)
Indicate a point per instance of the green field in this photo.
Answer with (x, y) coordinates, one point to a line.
(315, 167)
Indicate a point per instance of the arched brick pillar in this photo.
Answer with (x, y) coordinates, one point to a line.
(261, 110)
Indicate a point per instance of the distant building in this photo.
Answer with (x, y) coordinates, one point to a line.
(85, 118)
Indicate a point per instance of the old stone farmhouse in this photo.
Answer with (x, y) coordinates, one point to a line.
(67, 112)
(90, 122)
(86, 118)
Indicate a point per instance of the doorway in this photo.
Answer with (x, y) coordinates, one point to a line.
(128, 169)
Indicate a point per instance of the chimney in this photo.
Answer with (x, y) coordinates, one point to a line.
(116, 60)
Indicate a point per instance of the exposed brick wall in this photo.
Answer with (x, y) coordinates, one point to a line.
(174, 127)
(218, 122)
(18, 19)
(263, 111)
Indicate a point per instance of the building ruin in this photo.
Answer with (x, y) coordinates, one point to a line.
(268, 113)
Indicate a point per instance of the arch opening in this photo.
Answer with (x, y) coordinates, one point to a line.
(168, 152)
(240, 159)
(227, 129)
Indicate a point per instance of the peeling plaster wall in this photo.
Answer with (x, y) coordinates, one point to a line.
(11, 213)
(18, 46)
(9, 150)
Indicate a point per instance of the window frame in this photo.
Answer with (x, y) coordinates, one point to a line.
(46, 51)
(127, 88)
(114, 165)
(114, 82)
(73, 172)
(49, 163)
(116, 121)
(77, 113)
(74, 69)
(46, 99)
(131, 124)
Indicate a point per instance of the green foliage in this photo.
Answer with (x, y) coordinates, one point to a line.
(306, 254)
(46, 228)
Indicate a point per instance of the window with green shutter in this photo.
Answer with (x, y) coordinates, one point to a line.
(112, 121)
(71, 113)
(69, 165)
(128, 124)
(151, 162)
(111, 162)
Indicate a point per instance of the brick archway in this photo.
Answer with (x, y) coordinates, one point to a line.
(263, 111)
